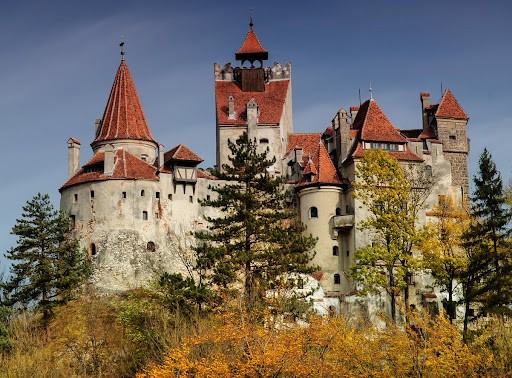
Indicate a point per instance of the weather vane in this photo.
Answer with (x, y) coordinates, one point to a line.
(121, 45)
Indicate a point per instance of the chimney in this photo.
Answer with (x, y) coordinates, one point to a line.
(231, 107)
(425, 103)
(108, 168)
(160, 156)
(252, 119)
(73, 156)
(344, 126)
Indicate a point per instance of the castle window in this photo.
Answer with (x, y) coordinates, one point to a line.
(337, 279)
(124, 194)
(263, 140)
(142, 193)
(92, 249)
(428, 170)
(92, 193)
(191, 199)
(144, 157)
(453, 137)
(208, 197)
(338, 211)
(335, 250)
(157, 216)
(151, 246)
(144, 215)
(157, 194)
(76, 197)
(348, 253)
(313, 212)
(169, 197)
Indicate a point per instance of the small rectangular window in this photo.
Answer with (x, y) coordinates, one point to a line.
(191, 199)
(169, 197)
(144, 215)
(76, 197)
(157, 216)
(208, 197)
(92, 193)
(157, 194)
(124, 194)
(453, 137)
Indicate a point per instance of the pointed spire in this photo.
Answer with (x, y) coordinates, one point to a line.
(449, 107)
(123, 117)
(251, 49)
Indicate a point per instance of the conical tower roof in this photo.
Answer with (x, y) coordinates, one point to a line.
(123, 117)
(251, 49)
(449, 107)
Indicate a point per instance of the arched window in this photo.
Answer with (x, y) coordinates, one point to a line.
(313, 212)
(92, 249)
(337, 279)
(335, 250)
(151, 246)
(338, 211)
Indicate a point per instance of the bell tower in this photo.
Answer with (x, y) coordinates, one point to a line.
(253, 99)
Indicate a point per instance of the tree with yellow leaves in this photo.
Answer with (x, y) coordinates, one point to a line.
(393, 196)
(443, 252)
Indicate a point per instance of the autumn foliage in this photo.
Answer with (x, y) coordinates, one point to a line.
(329, 347)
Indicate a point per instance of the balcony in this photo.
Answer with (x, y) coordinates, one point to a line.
(343, 222)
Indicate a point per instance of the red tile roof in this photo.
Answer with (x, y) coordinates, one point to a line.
(126, 167)
(251, 44)
(406, 155)
(374, 125)
(307, 142)
(123, 117)
(428, 133)
(181, 153)
(201, 173)
(450, 108)
(270, 102)
(329, 131)
(354, 108)
(325, 170)
(74, 140)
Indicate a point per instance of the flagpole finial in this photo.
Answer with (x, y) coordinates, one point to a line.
(121, 45)
(251, 24)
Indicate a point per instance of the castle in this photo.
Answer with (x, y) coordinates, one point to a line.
(134, 205)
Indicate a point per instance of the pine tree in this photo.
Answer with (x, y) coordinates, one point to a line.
(47, 263)
(258, 242)
(488, 279)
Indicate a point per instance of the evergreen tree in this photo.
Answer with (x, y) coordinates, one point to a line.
(47, 263)
(258, 241)
(488, 279)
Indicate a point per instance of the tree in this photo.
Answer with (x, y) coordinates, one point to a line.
(488, 279)
(258, 239)
(393, 196)
(443, 252)
(47, 263)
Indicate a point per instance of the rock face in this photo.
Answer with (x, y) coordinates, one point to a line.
(135, 206)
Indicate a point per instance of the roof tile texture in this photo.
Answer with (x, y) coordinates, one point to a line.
(126, 166)
(251, 44)
(321, 169)
(181, 153)
(449, 107)
(374, 125)
(308, 142)
(123, 117)
(270, 102)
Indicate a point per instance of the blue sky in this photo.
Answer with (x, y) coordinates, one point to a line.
(58, 60)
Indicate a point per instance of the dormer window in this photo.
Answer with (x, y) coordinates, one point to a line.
(144, 157)
(385, 146)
